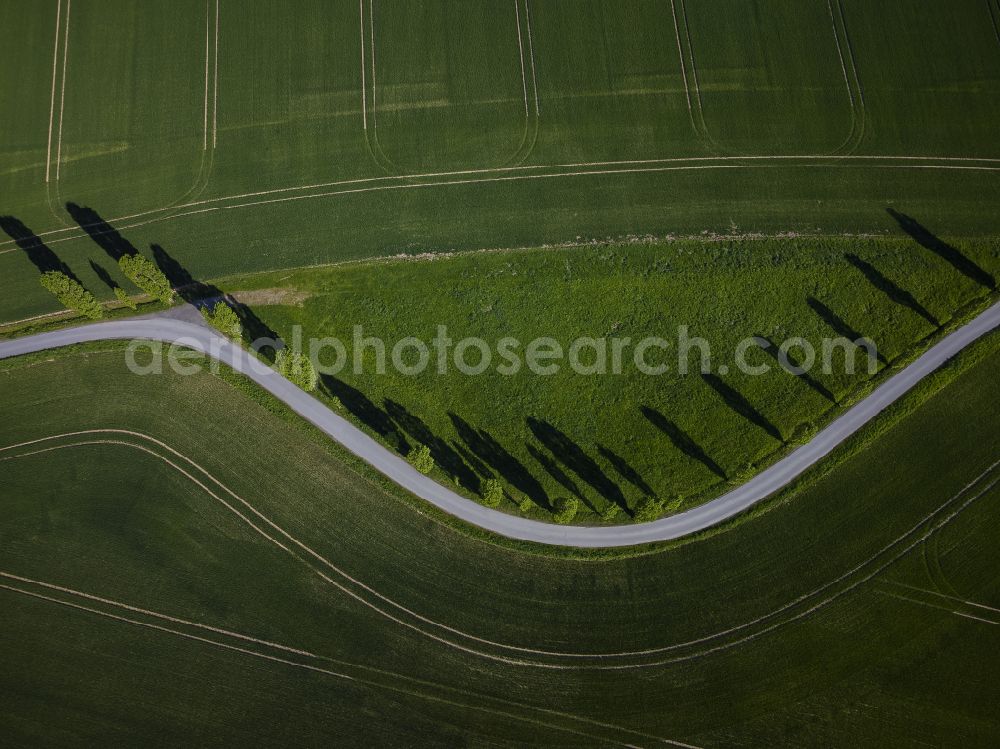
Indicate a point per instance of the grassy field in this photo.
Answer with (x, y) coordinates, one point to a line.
(245, 139)
(849, 614)
(613, 439)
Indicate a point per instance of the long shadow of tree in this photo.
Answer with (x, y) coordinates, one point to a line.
(201, 294)
(951, 255)
(794, 367)
(40, 254)
(103, 233)
(482, 445)
(444, 454)
(103, 275)
(682, 440)
(573, 457)
(551, 467)
(896, 293)
(625, 470)
(479, 467)
(738, 403)
(838, 324)
(365, 411)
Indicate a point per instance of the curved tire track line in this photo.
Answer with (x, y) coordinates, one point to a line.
(295, 651)
(933, 526)
(559, 170)
(356, 596)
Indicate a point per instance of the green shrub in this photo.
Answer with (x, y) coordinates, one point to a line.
(649, 509)
(492, 491)
(296, 366)
(223, 318)
(72, 294)
(565, 509)
(143, 273)
(674, 505)
(610, 513)
(420, 458)
(526, 505)
(126, 301)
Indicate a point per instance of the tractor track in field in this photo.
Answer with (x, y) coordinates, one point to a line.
(370, 676)
(510, 174)
(796, 609)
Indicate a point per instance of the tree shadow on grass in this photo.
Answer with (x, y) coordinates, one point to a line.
(365, 411)
(444, 454)
(794, 368)
(738, 403)
(482, 444)
(473, 461)
(43, 258)
(258, 333)
(573, 457)
(839, 326)
(895, 293)
(625, 470)
(951, 255)
(551, 467)
(103, 233)
(682, 440)
(103, 275)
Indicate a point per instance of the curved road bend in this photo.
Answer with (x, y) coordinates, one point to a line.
(199, 337)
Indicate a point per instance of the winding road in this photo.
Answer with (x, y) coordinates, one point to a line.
(172, 328)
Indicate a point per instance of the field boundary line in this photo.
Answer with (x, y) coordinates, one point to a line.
(52, 101)
(943, 162)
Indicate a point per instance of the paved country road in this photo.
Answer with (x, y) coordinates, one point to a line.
(169, 329)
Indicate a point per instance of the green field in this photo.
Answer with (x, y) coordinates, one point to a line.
(613, 439)
(851, 613)
(291, 133)
(184, 561)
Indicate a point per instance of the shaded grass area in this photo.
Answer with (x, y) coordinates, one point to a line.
(616, 439)
(75, 513)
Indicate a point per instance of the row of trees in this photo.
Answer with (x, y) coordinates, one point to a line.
(138, 269)
(71, 294)
(565, 509)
